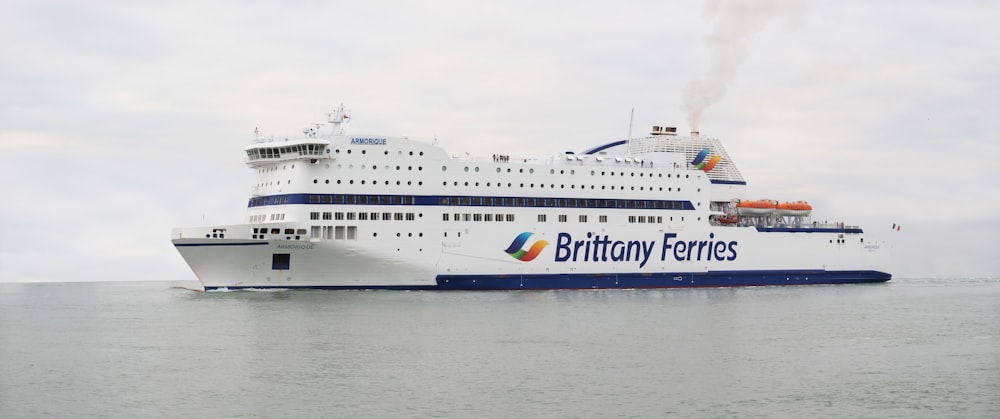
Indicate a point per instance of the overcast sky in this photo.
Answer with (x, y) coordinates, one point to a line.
(120, 120)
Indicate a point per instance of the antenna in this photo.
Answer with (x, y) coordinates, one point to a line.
(631, 117)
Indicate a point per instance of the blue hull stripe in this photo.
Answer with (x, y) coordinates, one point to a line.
(852, 230)
(627, 280)
(728, 182)
(221, 244)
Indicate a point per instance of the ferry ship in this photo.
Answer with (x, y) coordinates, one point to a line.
(330, 210)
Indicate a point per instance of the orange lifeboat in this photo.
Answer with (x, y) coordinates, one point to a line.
(796, 209)
(728, 219)
(759, 207)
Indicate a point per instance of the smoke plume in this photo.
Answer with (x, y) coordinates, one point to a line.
(735, 21)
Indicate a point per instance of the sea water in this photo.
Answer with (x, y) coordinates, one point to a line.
(902, 349)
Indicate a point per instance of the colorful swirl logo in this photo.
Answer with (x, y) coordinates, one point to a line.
(516, 251)
(700, 163)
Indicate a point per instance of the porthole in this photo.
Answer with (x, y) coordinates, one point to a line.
(387, 182)
(466, 168)
(420, 183)
(338, 151)
(552, 171)
(487, 183)
(477, 169)
(362, 182)
(531, 170)
(293, 166)
(508, 184)
(572, 172)
(397, 182)
(444, 168)
(364, 151)
(397, 167)
(411, 234)
(421, 153)
(409, 182)
(397, 235)
(409, 167)
(562, 172)
(376, 234)
(444, 183)
(466, 183)
(351, 182)
(411, 153)
(387, 152)
(315, 180)
(348, 151)
(591, 172)
(498, 170)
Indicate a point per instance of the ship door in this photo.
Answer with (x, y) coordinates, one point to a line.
(281, 263)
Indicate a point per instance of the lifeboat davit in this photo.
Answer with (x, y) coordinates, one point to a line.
(795, 209)
(759, 207)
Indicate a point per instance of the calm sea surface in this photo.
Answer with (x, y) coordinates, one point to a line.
(907, 348)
